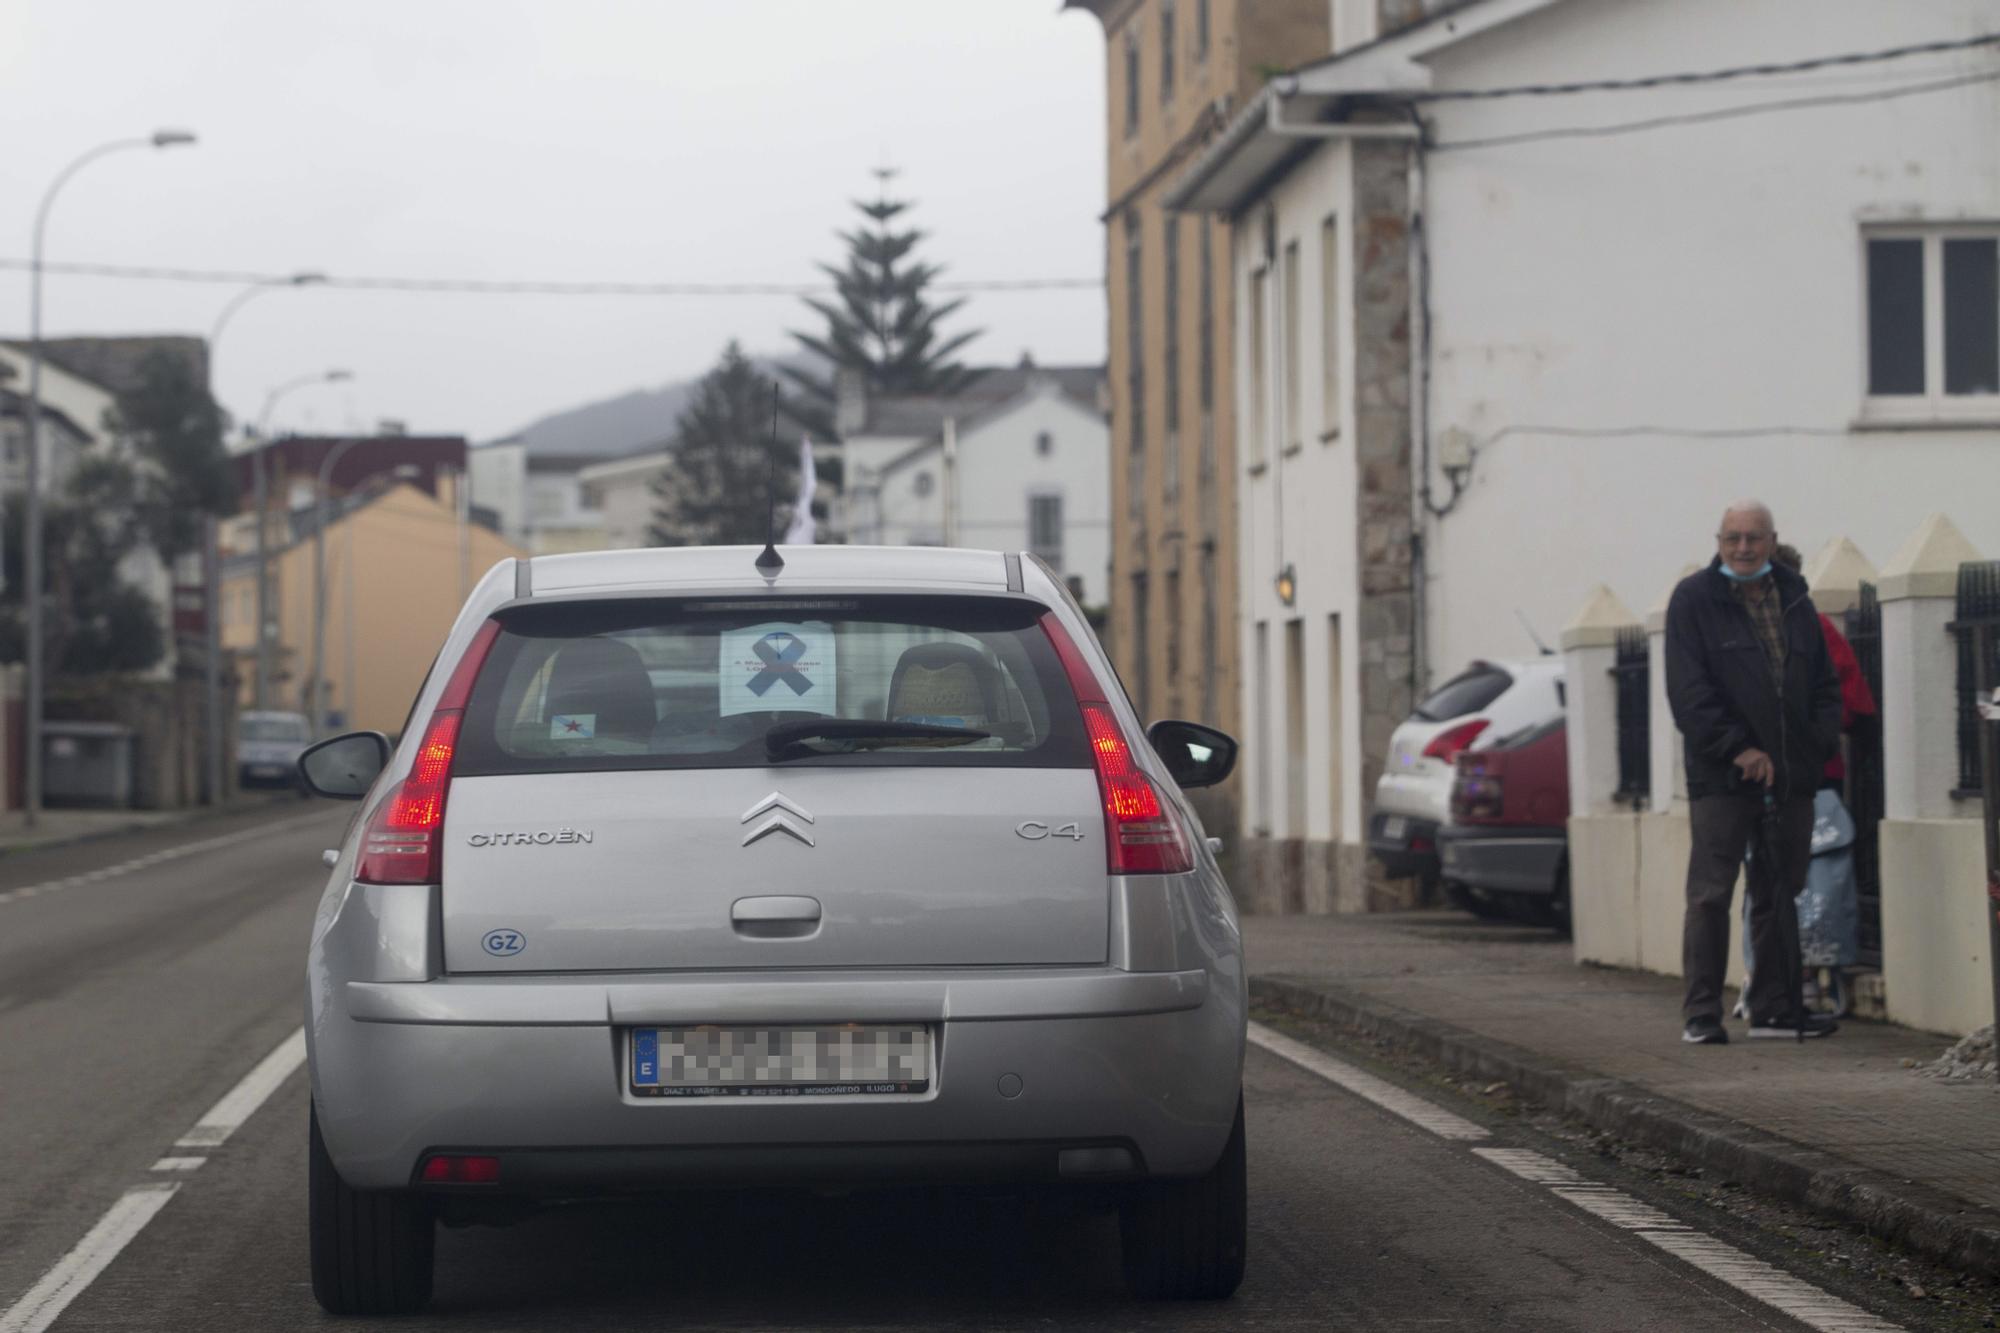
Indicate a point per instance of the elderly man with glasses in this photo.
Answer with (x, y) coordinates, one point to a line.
(1754, 694)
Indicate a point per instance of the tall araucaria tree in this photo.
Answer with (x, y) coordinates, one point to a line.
(721, 480)
(881, 325)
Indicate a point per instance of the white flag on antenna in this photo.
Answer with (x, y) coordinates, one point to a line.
(802, 532)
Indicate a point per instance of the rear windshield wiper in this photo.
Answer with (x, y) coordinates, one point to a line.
(788, 740)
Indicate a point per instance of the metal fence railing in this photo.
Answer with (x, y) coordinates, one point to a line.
(1978, 605)
(1632, 675)
(1864, 775)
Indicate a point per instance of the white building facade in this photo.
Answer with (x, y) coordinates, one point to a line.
(1544, 350)
(1022, 462)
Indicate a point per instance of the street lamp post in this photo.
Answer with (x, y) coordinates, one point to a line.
(261, 470)
(212, 631)
(31, 801)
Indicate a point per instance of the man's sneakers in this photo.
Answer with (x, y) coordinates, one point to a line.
(1705, 1032)
(1817, 1025)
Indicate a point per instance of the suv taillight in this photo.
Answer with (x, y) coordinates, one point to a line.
(402, 844)
(1479, 791)
(1446, 744)
(1142, 834)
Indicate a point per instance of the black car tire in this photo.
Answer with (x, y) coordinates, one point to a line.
(372, 1250)
(1185, 1239)
(1471, 900)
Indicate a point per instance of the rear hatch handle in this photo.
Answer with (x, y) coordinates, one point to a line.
(779, 916)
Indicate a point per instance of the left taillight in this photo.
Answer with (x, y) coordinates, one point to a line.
(1142, 833)
(403, 843)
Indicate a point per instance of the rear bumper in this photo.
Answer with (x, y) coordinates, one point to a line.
(1404, 844)
(1115, 1075)
(1501, 859)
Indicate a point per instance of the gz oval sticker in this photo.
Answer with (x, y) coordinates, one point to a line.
(504, 943)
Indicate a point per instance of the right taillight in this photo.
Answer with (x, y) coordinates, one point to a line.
(1142, 834)
(1478, 793)
(1447, 743)
(403, 843)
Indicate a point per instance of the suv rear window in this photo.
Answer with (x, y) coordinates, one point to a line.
(1468, 692)
(703, 683)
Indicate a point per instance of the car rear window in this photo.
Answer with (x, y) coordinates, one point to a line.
(701, 683)
(273, 729)
(1468, 692)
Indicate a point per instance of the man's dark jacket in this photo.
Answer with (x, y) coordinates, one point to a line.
(1721, 690)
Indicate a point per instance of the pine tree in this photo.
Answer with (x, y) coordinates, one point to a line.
(881, 326)
(720, 481)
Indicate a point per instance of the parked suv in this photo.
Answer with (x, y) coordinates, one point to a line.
(1413, 796)
(691, 871)
(1508, 839)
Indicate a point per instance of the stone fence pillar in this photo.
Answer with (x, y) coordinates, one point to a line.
(1934, 938)
(1603, 839)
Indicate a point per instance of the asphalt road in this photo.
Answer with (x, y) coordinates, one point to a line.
(129, 1003)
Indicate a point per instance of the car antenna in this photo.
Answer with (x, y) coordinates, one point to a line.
(769, 562)
(1546, 650)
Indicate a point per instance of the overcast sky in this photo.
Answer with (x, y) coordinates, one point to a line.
(575, 140)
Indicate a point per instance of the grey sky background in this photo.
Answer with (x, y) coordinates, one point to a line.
(583, 140)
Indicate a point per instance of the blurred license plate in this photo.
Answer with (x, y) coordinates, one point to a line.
(801, 1061)
(1395, 826)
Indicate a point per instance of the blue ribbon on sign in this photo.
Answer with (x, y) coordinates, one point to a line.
(778, 652)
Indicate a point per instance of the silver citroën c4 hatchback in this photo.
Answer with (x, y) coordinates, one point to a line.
(694, 872)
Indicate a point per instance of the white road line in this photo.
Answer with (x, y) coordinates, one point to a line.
(147, 862)
(1367, 1087)
(240, 1102)
(1801, 1300)
(1720, 1260)
(63, 1283)
(179, 1164)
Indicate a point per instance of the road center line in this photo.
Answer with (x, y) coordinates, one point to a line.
(241, 1102)
(64, 1282)
(1366, 1086)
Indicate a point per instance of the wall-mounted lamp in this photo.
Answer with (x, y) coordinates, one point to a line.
(1288, 585)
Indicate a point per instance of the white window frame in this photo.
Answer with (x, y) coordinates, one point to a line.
(1933, 407)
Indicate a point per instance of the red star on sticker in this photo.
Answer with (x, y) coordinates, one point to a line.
(572, 726)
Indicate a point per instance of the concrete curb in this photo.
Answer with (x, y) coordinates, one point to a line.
(1927, 1220)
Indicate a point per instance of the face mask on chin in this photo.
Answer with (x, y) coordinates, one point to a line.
(1734, 577)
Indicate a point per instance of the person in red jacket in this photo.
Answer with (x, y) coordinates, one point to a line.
(1857, 701)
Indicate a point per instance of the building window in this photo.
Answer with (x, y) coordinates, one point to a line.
(1142, 647)
(1291, 347)
(1131, 82)
(1135, 335)
(1201, 29)
(1934, 322)
(1329, 328)
(1211, 688)
(1045, 528)
(1173, 609)
(1167, 50)
(1205, 313)
(1295, 728)
(1045, 444)
(1336, 741)
(1260, 664)
(1259, 381)
(1170, 245)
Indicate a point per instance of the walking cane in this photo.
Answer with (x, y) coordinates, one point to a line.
(1771, 851)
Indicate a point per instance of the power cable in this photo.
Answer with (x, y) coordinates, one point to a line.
(1717, 114)
(1706, 76)
(527, 287)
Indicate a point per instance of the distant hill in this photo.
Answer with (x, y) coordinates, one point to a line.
(628, 424)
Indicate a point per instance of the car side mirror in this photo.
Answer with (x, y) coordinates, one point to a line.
(345, 767)
(1197, 756)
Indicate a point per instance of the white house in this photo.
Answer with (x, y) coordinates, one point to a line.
(1019, 460)
(621, 490)
(1498, 349)
(538, 499)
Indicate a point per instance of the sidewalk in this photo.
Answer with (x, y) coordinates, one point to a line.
(57, 828)
(1843, 1125)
